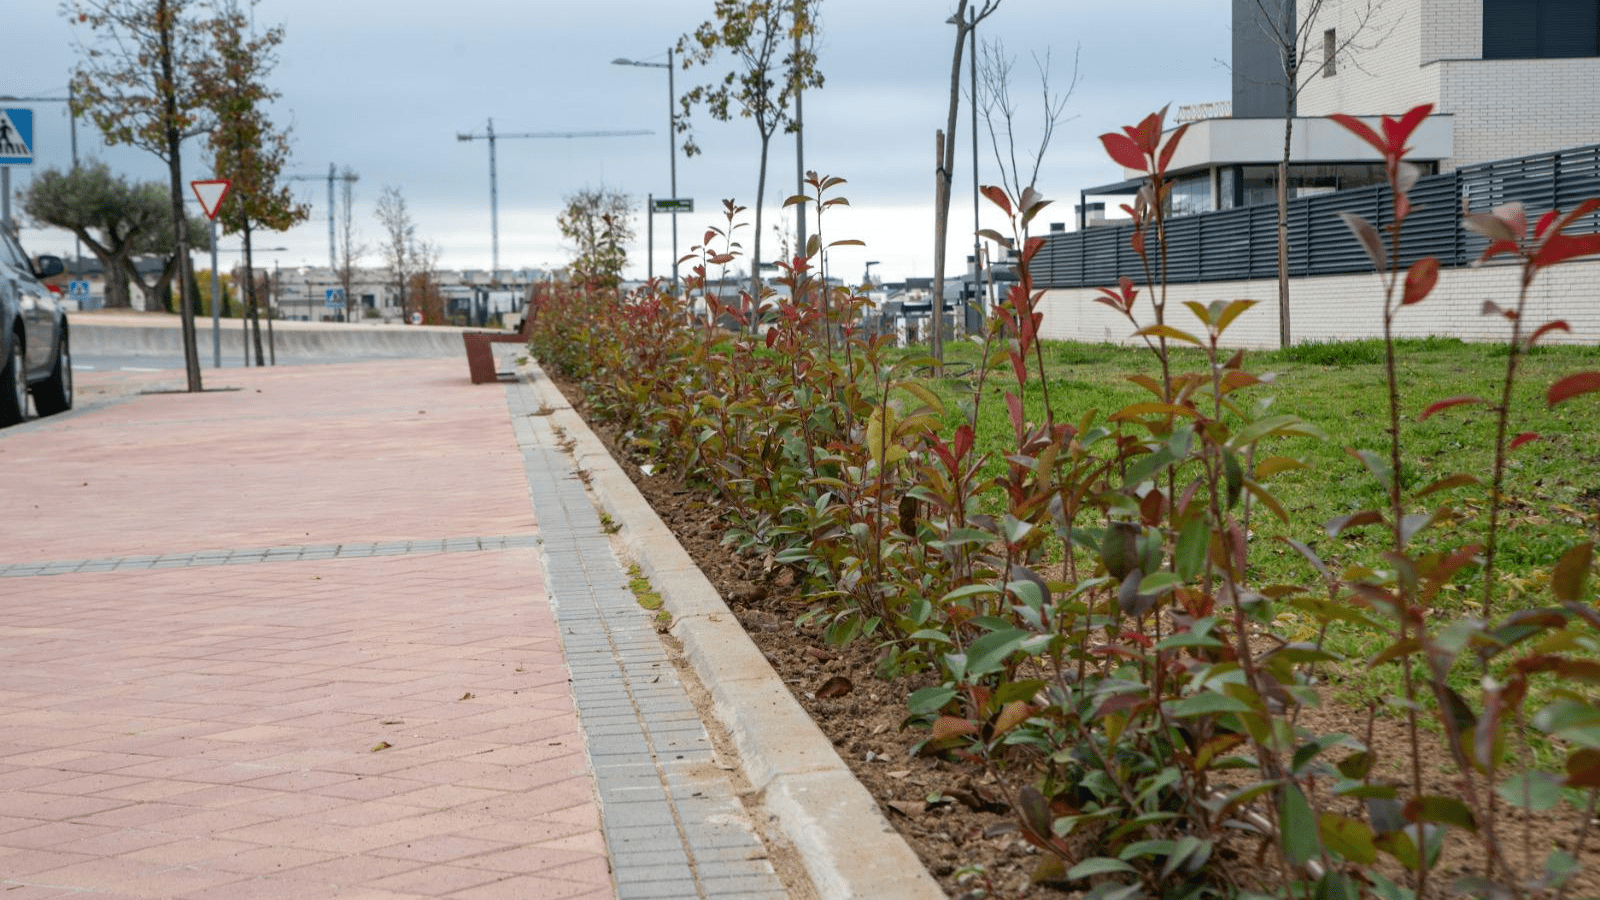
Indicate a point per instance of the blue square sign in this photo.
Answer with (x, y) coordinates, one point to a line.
(16, 137)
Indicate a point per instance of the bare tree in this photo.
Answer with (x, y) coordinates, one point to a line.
(1305, 45)
(944, 163)
(399, 241)
(1000, 112)
(350, 249)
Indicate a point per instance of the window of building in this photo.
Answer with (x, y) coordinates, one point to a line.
(1540, 29)
(1330, 53)
(1190, 194)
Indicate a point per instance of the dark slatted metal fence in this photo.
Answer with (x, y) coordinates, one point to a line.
(1240, 244)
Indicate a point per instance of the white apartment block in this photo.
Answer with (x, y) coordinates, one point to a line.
(1516, 77)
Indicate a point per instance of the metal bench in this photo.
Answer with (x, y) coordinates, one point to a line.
(480, 356)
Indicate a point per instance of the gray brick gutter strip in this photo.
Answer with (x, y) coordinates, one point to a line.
(848, 848)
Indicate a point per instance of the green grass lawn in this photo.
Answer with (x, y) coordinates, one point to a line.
(1552, 484)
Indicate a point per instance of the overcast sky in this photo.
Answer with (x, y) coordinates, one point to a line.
(384, 87)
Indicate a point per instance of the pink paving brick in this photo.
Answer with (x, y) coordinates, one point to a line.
(215, 731)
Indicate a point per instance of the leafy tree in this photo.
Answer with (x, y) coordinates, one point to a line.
(138, 85)
(119, 221)
(944, 167)
(104, 211)
(245, 148)
(757, 34)
(599, 223)
(399, 243)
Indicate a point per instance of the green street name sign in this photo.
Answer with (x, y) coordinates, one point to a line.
(673, 204)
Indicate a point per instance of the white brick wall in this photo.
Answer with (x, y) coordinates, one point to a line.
(1430, 51)
(1349, 307)
(1384, 75)
(1516, 107)
(1451, 29)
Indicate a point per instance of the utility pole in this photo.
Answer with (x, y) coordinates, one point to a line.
(494, 190)
(332, 176)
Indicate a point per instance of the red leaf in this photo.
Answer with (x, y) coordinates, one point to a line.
(1148, 136)
(964, 440)
(1031, 248)
(998, 197)
(1558, 247)
(1014, 405)
(1420, 279)
(1124, 151)
(1361, 130)
(1171, 147)
(772, 337)
(1400, 132)
(1523, 438)
(1544, 222)
(1546, 328)
(1443, 405)
(1571, 386)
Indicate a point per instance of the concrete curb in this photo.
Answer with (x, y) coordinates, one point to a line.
(848, 848)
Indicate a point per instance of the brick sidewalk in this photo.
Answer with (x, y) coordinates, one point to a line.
(300, 647)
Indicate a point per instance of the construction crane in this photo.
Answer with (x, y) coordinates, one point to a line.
(494, 191)
(332, 176)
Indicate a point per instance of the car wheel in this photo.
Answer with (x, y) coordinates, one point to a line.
(54, 394)
(13, 386)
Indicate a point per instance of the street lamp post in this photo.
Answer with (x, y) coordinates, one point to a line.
(672, 143)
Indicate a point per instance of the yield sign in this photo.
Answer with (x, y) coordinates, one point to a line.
(211, 194)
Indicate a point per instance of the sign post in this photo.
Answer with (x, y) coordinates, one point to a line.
(210, 194)
(16, 149)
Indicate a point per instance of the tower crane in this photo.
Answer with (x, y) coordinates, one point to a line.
(332, 176)
(494, 193)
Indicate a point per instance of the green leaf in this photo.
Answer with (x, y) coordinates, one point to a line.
(1535, 791)
(1336, 886)
(1147, 848)
(1193, 541)
(1349, 838)
(1570, 720)
(1206, 704)
(930, 700)
(1440, 809)
(1297, 824)
(1273, 426)
(988, 653)
(1100, 865)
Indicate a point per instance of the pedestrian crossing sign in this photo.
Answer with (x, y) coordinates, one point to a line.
(16, 137)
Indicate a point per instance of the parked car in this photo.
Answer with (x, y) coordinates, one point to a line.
(34, 350)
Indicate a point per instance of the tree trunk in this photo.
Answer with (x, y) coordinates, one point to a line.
(941, 222)
(946, 176)
(250, 293)
(755, 258)
(1284, 339)
(180, 222)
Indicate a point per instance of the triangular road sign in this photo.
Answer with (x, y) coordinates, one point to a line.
(211, 194)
